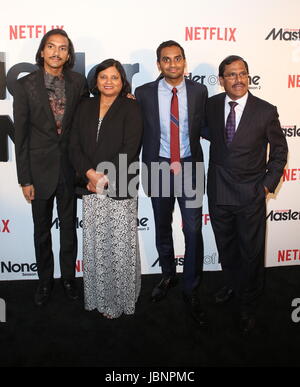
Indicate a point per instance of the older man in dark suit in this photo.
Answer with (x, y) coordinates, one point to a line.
(44, 105)
(242, 128)
(173, 111)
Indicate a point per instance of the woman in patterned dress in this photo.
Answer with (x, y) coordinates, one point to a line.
(105, 141)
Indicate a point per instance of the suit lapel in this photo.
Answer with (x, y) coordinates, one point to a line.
(247, 116)
(94, 122)
(69, 100)
(191, 102)
(155, 109)
(220, 116)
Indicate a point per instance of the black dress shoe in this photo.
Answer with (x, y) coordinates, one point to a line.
(247, 324)
(43, 293)
(160, 291)
(194, 307)
(223, 295)
(70, 289)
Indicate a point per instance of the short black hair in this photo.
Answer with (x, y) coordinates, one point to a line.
(126, 88)
(228, 60)
(40, 60)
(168, 43)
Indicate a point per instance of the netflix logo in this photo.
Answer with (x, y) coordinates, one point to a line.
(288, 255)
(79, 266)
(210, 33)
(293, 81)
(205, 219)
(4, 226)
(292, 174)
(30, 31)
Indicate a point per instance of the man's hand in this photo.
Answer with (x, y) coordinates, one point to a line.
(28, 192)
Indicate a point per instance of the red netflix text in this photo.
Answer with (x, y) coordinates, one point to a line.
(4, 226)
(288, 255)
(30, 31)
(293, 81)
(292, 174)
(210, 33)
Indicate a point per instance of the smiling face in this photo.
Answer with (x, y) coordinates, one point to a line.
(55, 53)
(109, 82)
(172, 64)
(235, 80)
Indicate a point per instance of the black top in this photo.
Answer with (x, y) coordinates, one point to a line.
(120, 134)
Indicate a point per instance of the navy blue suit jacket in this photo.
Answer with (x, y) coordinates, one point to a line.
(147, 96)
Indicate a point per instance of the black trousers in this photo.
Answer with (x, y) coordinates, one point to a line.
(163, 208)
(42, 211)
(240, 238)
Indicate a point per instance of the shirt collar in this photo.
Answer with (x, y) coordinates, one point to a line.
(170, 87)
(241, 101)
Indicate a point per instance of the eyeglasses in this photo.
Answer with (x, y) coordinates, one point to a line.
(242, 75)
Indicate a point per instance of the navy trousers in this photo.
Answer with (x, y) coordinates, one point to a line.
(163, 208)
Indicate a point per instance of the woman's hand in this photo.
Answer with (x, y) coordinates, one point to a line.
(91, 187)
(94, 178)
(102, 185)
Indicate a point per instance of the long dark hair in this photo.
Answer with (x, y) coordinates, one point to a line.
(126, 88)
(70, 62)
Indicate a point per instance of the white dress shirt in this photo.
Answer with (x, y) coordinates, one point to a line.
(238, 109)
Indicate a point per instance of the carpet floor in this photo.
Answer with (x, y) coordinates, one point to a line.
(159, 335)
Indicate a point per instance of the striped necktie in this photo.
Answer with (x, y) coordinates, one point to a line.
(230, 123)
(174, 140)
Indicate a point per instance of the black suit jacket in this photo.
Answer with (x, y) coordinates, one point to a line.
(41, 153)
(147, 96)
(120, 133)
(238, 172)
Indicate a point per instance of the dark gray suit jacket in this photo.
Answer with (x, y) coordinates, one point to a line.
(40, 152)
(238, 173)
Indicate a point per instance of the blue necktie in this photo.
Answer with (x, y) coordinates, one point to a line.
(230, 123)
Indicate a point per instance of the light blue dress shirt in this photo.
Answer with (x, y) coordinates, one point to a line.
(164, 100)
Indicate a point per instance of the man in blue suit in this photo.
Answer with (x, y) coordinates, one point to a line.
(174, 114)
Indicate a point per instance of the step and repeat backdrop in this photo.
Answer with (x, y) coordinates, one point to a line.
(266, 34)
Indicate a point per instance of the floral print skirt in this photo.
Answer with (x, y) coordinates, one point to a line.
(111, 259)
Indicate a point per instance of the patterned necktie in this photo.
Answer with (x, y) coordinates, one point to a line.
(230, 123)
(174, 128)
